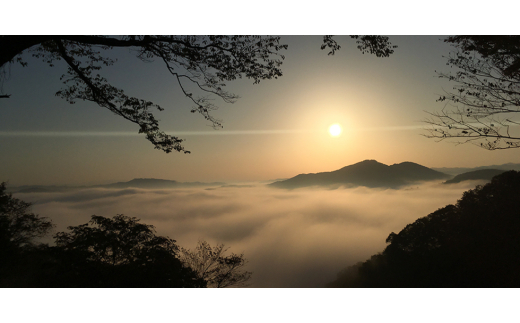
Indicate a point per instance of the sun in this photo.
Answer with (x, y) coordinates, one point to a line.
(335, 130)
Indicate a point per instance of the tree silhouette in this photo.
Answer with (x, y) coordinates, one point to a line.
(204, 63)
(474, 243)
(216, 269)
(119, 252)
(105, 252)
(18, 226)
(504, 48)
(19, 231)
(483, 108)
(376, 45)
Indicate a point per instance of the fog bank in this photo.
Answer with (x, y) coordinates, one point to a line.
(298, 238)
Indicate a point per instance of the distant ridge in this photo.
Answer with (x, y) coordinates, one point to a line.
(145, 183)
(460, 170)
(482, 174)
(369, 173)
(157, 183)
(142, 183)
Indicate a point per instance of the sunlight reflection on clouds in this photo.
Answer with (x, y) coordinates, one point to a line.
(299, 238)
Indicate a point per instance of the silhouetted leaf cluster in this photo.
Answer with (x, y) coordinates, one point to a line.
(18, 227)
(474, 243)
(376, 45)
(504, 49)
(202, 62)
(105, 252)
(214, 267)
(121, 252)
(486, 99)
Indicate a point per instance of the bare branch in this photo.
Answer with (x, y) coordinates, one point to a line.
(484, 105)
(214, 267)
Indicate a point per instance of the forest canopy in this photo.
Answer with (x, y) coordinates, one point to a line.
(474, 243)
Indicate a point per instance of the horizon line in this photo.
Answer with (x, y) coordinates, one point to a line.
(187, 133)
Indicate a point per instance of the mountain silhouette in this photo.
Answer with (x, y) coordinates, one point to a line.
(459, 170)
(41, 189)
(369, 173)
(145, 183)
(156, 183)
(485, 174)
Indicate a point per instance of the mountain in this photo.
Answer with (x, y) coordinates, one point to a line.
(368, 173)
(41, 189)
(485, 174)
(460, 170)
(156, 183)
(143, 183)
(146, 183)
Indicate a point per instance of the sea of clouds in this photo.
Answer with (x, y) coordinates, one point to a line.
(292, 238)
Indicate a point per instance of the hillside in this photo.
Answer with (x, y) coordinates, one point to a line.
(369, 173)
(145, 183)
(483, 174)
(156, 183)
(459, 170)
(472, 244)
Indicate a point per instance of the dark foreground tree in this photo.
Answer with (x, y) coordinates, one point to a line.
(119, 252)
(200, 64)
(19, 228)
(214, 267)
(474, 243)
(484, 106)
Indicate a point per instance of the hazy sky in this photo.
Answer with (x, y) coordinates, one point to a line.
(277, 129)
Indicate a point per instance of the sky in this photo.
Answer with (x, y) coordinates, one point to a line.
(276, 129)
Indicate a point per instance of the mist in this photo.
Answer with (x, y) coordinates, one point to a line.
(292, 238)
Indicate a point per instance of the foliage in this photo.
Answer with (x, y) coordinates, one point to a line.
(484, 105)
(18, 227)
(118, 241)
(474, 243)
(376, 45)
(120, 252)
(202, 62)
(105, 252)
(503, 49)
(19, 231)
(216, 269)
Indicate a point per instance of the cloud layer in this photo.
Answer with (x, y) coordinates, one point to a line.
(299, 238)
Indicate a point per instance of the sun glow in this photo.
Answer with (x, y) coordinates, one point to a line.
(335, 130)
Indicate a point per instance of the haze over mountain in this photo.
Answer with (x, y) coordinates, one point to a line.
(461, 170)
(148, 183)
(369, 173)
(481, 174)
(157, 183)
